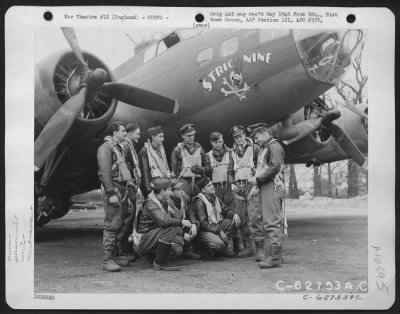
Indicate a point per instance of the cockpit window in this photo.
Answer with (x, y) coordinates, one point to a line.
(171, 39)
(229, 46)
(204, 55)
(161, 47)
(270, 34)
(150, 53)
(190, 32)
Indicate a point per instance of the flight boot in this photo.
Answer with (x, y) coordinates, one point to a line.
(190, 253)
(161, 260)
(274, 260)
(260, 250)
(123, 253)
(227, 252)
(108, 262)
(248, 249)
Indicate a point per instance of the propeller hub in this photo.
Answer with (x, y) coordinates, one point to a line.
(96, 78)
(329, 116)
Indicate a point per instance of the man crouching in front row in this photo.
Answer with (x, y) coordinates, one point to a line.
(159, 230)
(217, 222)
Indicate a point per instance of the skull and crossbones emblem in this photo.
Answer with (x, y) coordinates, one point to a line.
(235, 86)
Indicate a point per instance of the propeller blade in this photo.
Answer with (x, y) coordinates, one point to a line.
(300, 130)
(70, 36)
(57, 127)
(346, 143)
(140, 98)
(356, 110)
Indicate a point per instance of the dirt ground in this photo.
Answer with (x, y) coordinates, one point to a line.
(326, 252)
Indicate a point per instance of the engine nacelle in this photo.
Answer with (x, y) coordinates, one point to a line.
(56, 80)
(320, 146)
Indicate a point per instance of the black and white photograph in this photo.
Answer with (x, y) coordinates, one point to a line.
(222, 161)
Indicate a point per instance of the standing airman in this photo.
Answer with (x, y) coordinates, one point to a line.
(269, 179)
(153, 160)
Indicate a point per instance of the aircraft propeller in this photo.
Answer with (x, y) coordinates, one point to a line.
(306, 127)
(92, 80)
(356, 110)
(342, 138)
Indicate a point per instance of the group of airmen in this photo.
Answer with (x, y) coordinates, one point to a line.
(226, 202)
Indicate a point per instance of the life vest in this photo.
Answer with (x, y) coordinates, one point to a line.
(124, 174)
(214, 214)
(136, 171)
(261, 165)
(219, 168)
(243, 165)
(189, 160)
(158, 166)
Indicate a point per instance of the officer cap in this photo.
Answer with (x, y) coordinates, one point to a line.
(176, 184)
(215, 136)
(203, 182)
(236, 130)
(187, 129)
(257, 127)
(161, 183)
(131, 126)
(155, 130)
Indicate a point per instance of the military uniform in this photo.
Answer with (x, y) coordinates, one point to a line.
(160, 229)
(222, 174)
(156, 223)
(114, 177)
(270, 181)
(132, 161)
(209, 233)
(247, 204)
(269, 178)
(184, 157)
(153, 164)
(214, 217)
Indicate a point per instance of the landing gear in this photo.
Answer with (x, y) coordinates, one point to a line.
(47, 208)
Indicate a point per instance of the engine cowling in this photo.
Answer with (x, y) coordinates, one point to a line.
(56, 79)
(319, 146)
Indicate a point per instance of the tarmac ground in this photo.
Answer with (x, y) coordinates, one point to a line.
(326, 251)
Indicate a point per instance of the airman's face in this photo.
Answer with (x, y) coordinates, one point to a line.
(189, 138)
(177, 193)
(158, 139)
(166, 194)
(218, 144)
(240, 139)
(261, 138)
(209, 189)
(134, 135)
(120, 134)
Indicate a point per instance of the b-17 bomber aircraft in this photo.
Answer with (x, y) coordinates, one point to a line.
(213, 78)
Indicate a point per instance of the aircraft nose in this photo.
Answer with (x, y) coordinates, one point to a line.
(326, 55)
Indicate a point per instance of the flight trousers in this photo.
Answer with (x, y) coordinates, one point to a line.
(225, 194)
(248, 209)
(115, 215)
(170, 235)
(210, 240)
(271, 199)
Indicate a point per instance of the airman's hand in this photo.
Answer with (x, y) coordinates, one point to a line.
(113, 200)
(236, 220)
(193, 231)
(186, 223)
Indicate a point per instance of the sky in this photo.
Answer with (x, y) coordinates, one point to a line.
(112, 46)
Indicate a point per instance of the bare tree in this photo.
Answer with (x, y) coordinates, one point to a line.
(317, 181)
(293, 190)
